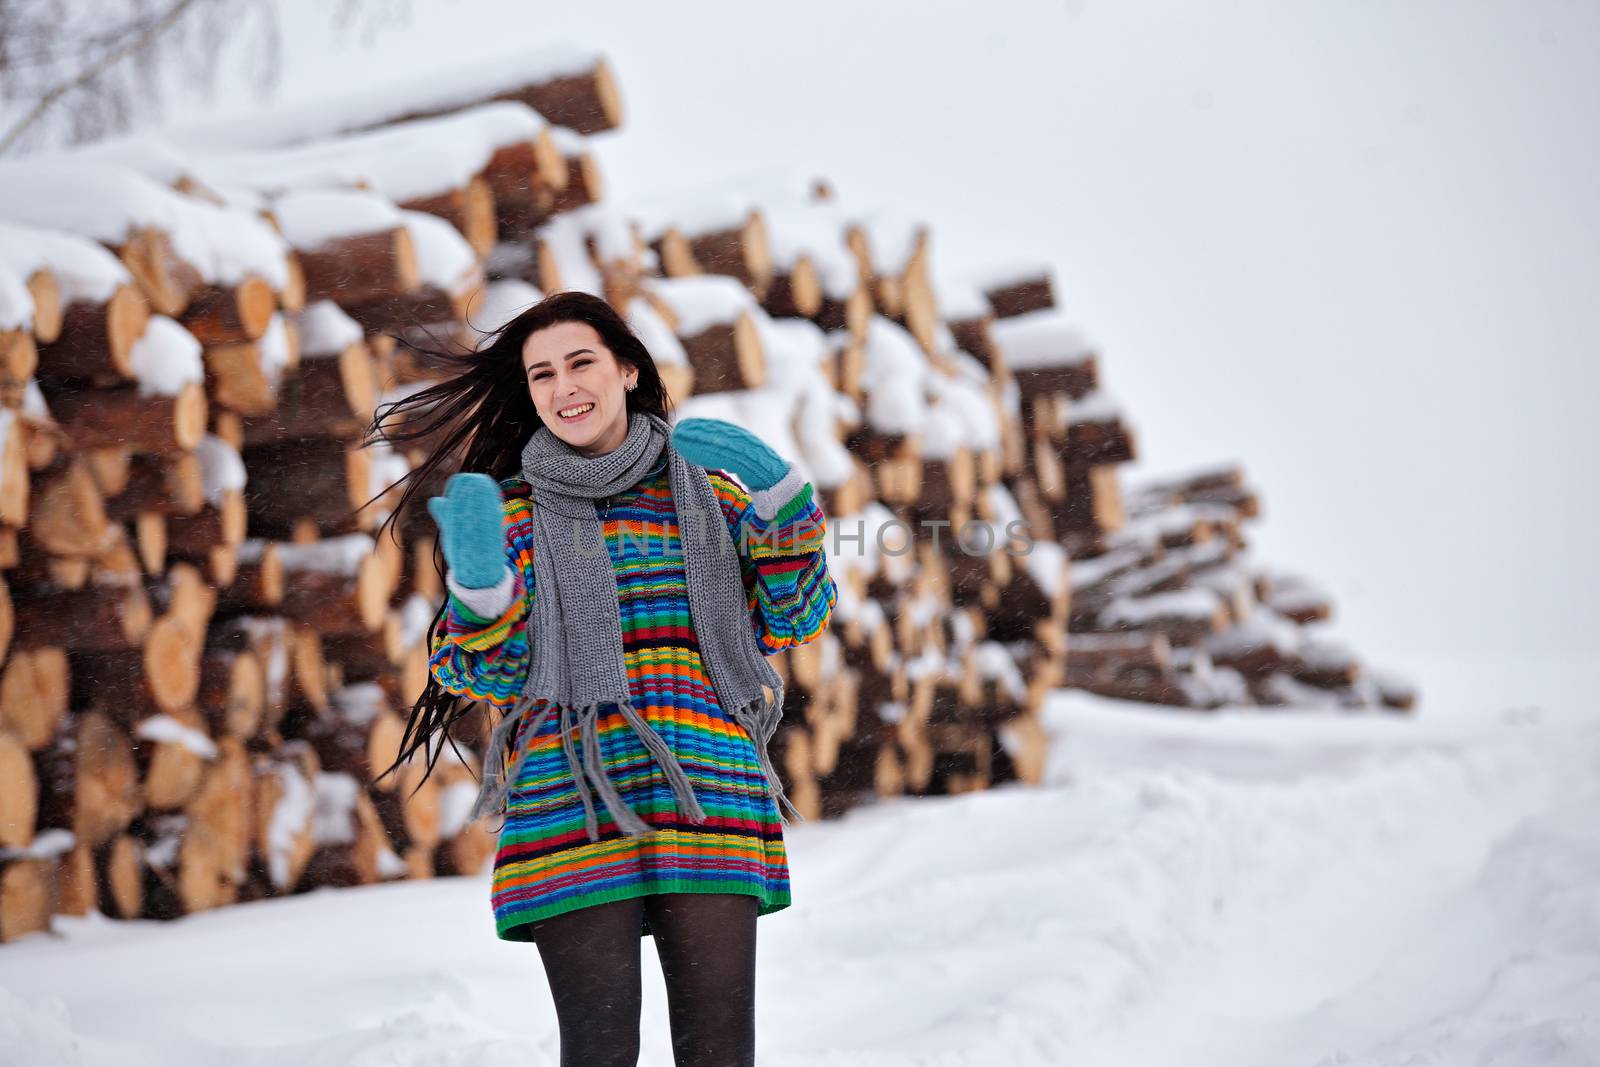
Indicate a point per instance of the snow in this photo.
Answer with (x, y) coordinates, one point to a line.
(16, 303)
(817, 232)
(704, 301)
(566, 240)
(965, 416)
(386, 468)
(605, 224)
(312, 218)
(407, 161)
(1198, 605)
(1097, 405)
(288, 816)
(166, 729)
(275, 349)
(416, 618)
(360, 704)
(222, 469)
(47, 844)
(467, 82)
(269, 632)
(111, 203)
(456, 802)
(501, 302)
(166, 358)
(1003, 274)
(895, 379)
(658, 338)
(860, 541)
(830, 462)
(693, 212)
(959, 299)
(1039, 339)
(1251, 889)
(893, 238)
(325, 330)
(444, 258)
(333, 555)
(83, 270)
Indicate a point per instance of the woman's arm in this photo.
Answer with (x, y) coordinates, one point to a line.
(780, 533)
(481, 650)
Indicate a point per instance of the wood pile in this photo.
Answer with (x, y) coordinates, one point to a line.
(205, 653)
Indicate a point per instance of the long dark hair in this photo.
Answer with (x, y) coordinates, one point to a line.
(478, 417)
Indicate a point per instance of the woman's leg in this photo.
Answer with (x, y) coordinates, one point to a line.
(707, 945)
(591, 958)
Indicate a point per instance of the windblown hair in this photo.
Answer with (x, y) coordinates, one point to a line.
(478, 417)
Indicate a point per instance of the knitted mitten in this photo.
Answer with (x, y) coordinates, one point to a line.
(715, 443)
(470, 530)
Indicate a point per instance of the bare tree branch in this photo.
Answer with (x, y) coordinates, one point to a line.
(76, 70)
(132, 46)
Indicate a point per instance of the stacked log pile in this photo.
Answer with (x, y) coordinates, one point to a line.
(1168, 606)
(205, 652)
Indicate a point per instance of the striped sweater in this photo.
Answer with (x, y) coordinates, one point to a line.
(545, 863)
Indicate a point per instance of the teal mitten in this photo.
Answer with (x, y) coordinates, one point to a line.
(719, 444)
(471, 530)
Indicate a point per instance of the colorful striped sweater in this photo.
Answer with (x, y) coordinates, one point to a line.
(545, 863)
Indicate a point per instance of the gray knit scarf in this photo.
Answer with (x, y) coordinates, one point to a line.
(575, 624)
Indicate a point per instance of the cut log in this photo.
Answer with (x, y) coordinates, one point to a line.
(118, 876)
(360, 854)
(97, 340)
(321, 480)
(336, 586)
(68, 517)
(523, 178)
(125, 418)
(223, 806)
(237, 314)
(34, 687)
(19, 359)
(164, 484)
(184, 867)
(325, 397)
(365, 267)
(171, 752)
(167, 280)
(19, 794)
(27, 895)
(91, 620)
(284, 809)
(14, 478)
(88, 781)
(244, 377)
(162, 676)
(587, 102)
(584, 184)
(470, 209)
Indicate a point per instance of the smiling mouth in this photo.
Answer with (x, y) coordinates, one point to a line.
(574, 413)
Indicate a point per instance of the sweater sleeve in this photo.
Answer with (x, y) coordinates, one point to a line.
(781, 535)
(481, 649)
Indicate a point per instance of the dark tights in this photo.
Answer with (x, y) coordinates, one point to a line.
(707, 946)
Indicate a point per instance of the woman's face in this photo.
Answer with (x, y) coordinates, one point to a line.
(569, 369)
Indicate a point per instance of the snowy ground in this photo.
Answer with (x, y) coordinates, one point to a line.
(1246, 888)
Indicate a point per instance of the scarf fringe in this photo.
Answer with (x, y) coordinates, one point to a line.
(499, 777)
(760, 719)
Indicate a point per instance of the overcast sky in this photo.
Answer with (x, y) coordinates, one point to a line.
(1354, 245)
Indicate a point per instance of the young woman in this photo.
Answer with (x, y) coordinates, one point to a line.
(616, 584)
